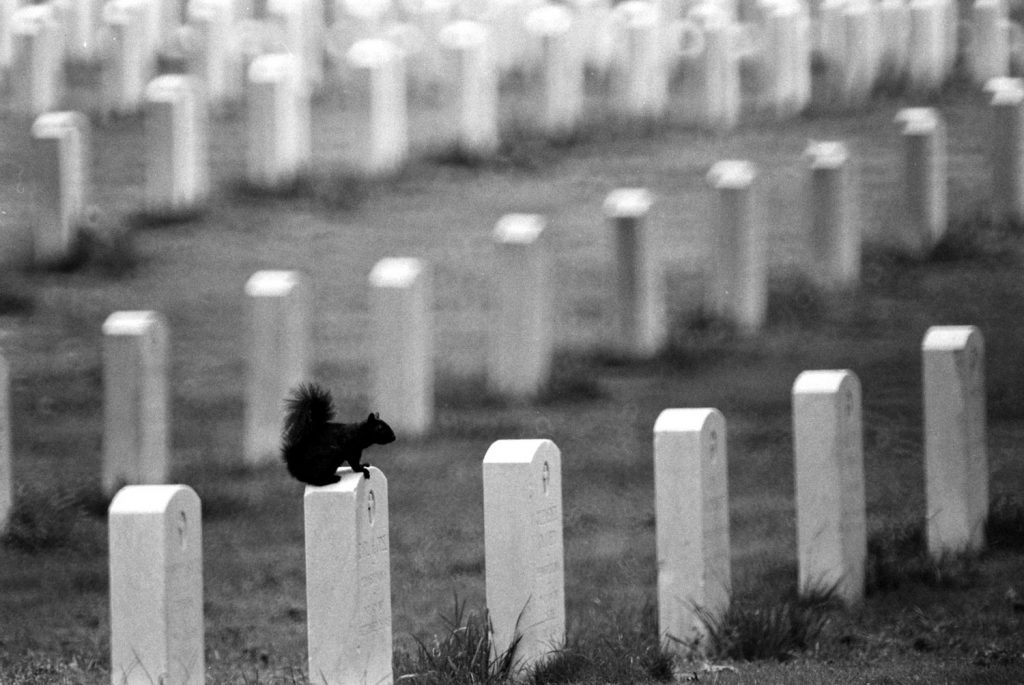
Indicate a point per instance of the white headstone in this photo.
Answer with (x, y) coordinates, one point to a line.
(215, 60)
(35, 79)
(861, 58)
(736, 286)
(1007, 162)
(348, 580)
(473, 80)
(639, 77)
(894, 18)
(927, 56)
(380, 126)
(135, 399)
(303, 33)
(835, 236)
(524, 562)
(61, 148)
(6, 453)
(956, 461)
(925, 202)
(156, 586)
(639, 307)
(280, 355)
(786, 28)
(521, 342)
(989, 54)
(691, 503)
(279, 122)
(177, 174)
(402, 348)
(719, 76)
(82, 23)
(829, 466)
(128, 65)
(513, 50)
(561, 70)
(7, 9)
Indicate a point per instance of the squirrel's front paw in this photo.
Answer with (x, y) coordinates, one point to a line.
(366, 471)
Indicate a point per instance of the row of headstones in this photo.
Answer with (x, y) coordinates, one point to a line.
(643, 43)
(156, 552)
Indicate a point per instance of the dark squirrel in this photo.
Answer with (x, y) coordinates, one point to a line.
(314, 447)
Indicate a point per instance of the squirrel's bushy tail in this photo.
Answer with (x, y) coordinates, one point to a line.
(309, 408)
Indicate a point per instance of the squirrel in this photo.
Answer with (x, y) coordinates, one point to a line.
(314, 448)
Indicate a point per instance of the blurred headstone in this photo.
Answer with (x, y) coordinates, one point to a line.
(61, 151)
(36, 75)
(925, 195)
(278, 123)
(177, 173)
(1007, 136)
(280, 356)
(380, 120)
(473, 80)
(401, 351)
(136, 401)
(6, 452)
(834, 232)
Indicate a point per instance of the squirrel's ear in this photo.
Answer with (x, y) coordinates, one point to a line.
(376, 415)
(371, 417)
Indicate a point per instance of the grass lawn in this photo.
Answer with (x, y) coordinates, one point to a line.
(963, 625)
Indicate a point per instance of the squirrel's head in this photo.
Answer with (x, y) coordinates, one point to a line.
(378, 430)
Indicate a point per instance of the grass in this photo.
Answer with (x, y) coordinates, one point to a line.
(599, 410)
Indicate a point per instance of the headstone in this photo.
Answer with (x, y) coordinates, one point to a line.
(278, 127)
(128, 66)
(990, 41)
(61, 151)
(177, 174)
(524, 563)
(561, 70)
(736, 286)
(594, 40)
(639, 78)
(926, 68)
(474, 83)
(7, 9)
(691, 503)
(380, 126)
(639, 307)
(6, 452)
(81, 26)
(925, 205)
(35, 77)
(1007, 162)
(521, 342)
(215, 60)
(513, 50)
(156, 586)
(861, 59)
(135, 399)
(894, 57)
(786, 57)
(280, 355)
(303, 33)
(835, 235)
(348, 580)
(956, 461)
(402, 347)
(829, 466)
(429, 18)
(719, 76)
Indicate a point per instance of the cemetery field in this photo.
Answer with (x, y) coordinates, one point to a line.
(960, 623)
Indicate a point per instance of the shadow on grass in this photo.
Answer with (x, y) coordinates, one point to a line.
(898, 556)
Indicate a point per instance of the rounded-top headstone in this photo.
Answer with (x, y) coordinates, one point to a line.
(636, 14)
(271, 283)
(627, 203)
(52, 124)
(272, 67)
(372, 52)
(918, 120)
(519, 228)
(463, 34)
(827, 154)
(549, 20)
(395, 272)
(732, 174)
(130, 322)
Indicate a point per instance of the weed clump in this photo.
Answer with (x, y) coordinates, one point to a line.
(898, 556)
(753, 630)
(1004, 528)
(42, 521)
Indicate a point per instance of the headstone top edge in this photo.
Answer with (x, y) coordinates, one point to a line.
(519, 228)
(349, 483)
(549, 20)
(685, 419)
(822, 381)
(732, 173)
(463, 34)
(51, 124)
(149, 499)
(519, 451)
(271, 283)
(396, 272)
(950, 337)
(628, 202)
(272, 66)
(372, 52)
(131, 322)
(828, 154)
